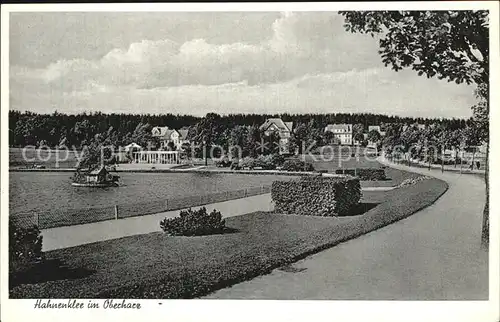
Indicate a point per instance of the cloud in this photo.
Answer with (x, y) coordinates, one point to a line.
(308, 63)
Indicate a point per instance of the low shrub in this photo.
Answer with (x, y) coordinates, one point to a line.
(223, 162)
(25, 247)
(235, 165)
(297, 165)
(194, 223)
(266, 162)
(365, 174)
(371, 174)
(317, 196)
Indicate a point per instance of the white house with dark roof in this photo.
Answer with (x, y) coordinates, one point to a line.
(167, 135)
(284, 129)
(342, 132)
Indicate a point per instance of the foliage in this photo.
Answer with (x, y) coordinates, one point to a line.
(374, 136)
(317, 196)
(25, 246)
(448, 44)
(266, 162)
(297, 165)
(357, 132)
(371, 174)
(194, 223)
(28, 128)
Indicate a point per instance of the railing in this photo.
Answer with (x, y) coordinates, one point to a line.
(69, 217)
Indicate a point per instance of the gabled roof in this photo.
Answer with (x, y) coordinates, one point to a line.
(159, 131)
(282, 126)
(133, 145)
(183, 134)
(345, 127)
(99, 170)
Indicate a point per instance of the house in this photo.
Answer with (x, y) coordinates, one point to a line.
(166, 135)
(284, 129)
(341, 132)
(377, 128)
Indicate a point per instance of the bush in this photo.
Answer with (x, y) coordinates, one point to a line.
(364, 174)
(235, 165)
(371, 174)
(266, 162)
(278, 160)
(318, 196)
(194, 223)
(223, 163)
(25, 246)
(297, 165)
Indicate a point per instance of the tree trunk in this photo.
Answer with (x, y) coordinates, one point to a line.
(206, 156)
(442, 161)
(485, 235)
(473, 154)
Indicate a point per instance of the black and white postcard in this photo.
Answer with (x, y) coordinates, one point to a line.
(336, 158)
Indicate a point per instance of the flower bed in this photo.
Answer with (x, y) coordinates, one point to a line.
(365, 174)
(319, 196)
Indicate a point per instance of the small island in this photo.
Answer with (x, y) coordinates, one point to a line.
(100, 177)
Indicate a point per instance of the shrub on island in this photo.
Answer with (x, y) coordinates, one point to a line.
(317, 196)
(194, 223)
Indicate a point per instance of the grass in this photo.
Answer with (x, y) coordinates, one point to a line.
(158, 266)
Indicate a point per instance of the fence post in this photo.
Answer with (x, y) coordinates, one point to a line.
(37, 220)
(166, 204)
(246, 193)
(116, 212)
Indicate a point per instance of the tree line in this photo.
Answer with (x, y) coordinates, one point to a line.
(58, 129)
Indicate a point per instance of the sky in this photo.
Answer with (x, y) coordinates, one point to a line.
(223, 62)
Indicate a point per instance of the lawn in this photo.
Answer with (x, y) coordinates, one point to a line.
(158, 266)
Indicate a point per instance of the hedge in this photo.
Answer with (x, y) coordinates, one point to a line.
(297, 165)
(266, 162)
(364, 174)
(317, 196)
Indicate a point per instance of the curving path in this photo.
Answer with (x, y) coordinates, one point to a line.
(434, 254)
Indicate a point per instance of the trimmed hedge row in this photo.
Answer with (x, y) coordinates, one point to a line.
(364, 174)
(297, 165)
(317, 196)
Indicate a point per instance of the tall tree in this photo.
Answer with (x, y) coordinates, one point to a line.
(451, 45)
(207, 131)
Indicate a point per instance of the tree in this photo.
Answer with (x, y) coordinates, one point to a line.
(300, 136)
(374, 136)
(207, 131)
(454, 141)
(409, 139)
(451, 45)
(357, 132)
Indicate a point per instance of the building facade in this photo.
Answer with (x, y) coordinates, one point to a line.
(284, 130)
(341, 132)
(166, 136)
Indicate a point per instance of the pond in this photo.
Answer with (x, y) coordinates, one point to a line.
(46, 191)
